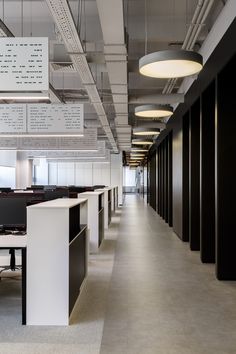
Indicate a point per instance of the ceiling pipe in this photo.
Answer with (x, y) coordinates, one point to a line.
(157, 99)
(202, 10)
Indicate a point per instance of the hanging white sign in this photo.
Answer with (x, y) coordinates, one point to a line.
(12, 118)
(24, 64)
(55, 118)
(86, 142)
(42, 119)
(101, 152)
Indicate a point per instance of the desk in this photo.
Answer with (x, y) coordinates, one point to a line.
(107, 205)
(56, 260)
(95, 218)
(18, 242)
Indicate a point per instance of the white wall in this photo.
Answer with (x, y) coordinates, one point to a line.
(7, 176)
(41, 171)
(8, 158)
(8, 169)
(130, 177)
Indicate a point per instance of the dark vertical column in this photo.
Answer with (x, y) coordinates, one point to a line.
(153, 181)
(226, 174)
(148, 182)
(164, 179)
(194, 181)
(159, 180)
(185, 235)
(170, 185)
(23, 284)
(207, 175)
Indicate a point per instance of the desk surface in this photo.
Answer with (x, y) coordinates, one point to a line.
(84, 194)
(58, 203)
(8, 241)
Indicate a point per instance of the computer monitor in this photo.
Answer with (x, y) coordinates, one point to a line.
(5, 189)
(13, 213)
(50, 187)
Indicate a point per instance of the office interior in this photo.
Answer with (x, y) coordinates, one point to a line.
(118, 236)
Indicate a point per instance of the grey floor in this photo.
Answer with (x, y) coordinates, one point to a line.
(146, 293)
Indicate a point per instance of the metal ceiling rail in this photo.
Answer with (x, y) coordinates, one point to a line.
(112, 23)
(64, 20)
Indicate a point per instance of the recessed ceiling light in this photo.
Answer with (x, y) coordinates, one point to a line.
(153, 111)
(170, 64)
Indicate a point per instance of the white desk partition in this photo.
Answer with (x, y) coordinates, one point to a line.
(95, 213)
(106, 205)
(54, 240)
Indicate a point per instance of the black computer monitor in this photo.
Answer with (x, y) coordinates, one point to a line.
(5, 189)
(13, 213)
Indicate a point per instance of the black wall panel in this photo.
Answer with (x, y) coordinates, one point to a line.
(207, 175)
(170, 186)
(194, 178)
(185, 234)
(153, 181)
(226, 174)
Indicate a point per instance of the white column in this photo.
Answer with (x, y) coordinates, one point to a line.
(24, 168)
(117, 175)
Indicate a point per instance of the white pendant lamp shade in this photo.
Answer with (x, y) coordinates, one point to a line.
(153, 111)
(134, 150)
(142, 141)
(143, 131)
(169, 64)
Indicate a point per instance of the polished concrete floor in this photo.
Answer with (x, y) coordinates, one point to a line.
(146, 293)
(162, 300)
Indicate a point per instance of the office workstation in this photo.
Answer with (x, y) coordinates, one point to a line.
(96, 211)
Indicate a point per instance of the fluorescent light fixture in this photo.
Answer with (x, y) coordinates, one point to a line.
(24, 96)
(169, 64)
(142, 141)
(40, 136)
(143, 131)
(28, 150)
(153, 111)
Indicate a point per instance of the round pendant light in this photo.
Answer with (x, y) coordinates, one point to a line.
(142, 141)
(137, 154)
(134, 150)
(153, 111)
(167, 64)
(143, 131)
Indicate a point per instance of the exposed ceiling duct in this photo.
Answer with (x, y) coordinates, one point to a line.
(112, 22)
(63, 18)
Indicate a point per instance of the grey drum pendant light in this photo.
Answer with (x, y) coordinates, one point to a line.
(142, 141)
(143, 131)
(153, 111)
(170, 64)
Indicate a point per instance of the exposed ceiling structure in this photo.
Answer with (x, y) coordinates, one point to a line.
(95, 47)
